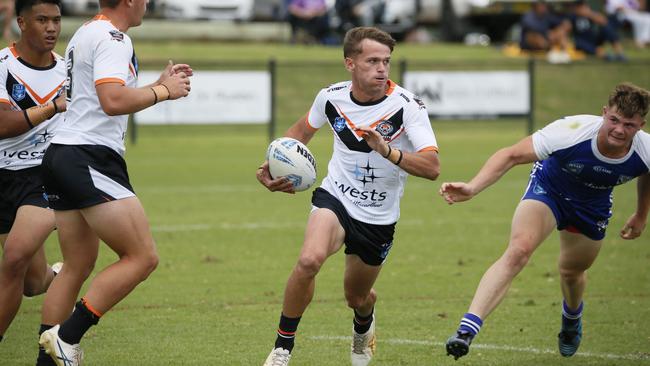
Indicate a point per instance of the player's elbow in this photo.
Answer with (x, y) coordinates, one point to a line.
(111, 109)
(433, 172)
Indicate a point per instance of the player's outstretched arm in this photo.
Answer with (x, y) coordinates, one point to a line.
(423, 164)
(493, 169)
(117, 99)
(15, 123)
(636, 223)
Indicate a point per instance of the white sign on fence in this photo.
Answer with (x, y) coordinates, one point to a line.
(471, 93)
(217, 97)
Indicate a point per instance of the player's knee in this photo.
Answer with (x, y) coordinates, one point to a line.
(149, 264)
(356, 301)
(571, 275)
(14, 262)
(517, 257)
(33, 287)
(309, 265)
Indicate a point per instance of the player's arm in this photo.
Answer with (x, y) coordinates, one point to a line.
(117, 99)
(300, 131)
(15, 123)
(493, 169)
(636, 223)
(422, 164)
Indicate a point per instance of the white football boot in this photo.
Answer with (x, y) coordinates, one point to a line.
(363, 346)
(56, 267)
(278, 357)
(62, 353)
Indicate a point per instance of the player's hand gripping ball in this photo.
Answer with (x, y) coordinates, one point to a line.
(291, 159)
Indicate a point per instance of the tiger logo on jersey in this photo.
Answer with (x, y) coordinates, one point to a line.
(385, 128)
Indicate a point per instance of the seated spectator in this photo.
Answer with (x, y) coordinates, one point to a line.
(309, 16)
(357, 13)
(631, 11)
(591, 31)
(542, 30)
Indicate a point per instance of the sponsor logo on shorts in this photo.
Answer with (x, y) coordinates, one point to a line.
(385, 248)
(51, 197)
(537, 189)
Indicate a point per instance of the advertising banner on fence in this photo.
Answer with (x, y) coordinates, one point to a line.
(217, 97)
(471, 94)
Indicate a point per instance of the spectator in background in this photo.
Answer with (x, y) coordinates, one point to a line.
(355, 13)
(309, 16)
(620, 11)
(7, 16)
(542, 30)
(591, 31)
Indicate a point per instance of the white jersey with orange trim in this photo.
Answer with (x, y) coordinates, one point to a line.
(368, 185)
(97, 53)
(25, 86)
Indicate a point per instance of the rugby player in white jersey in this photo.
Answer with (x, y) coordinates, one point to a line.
(31, 79)
(86, 179)
(578, 162)
(381, 133)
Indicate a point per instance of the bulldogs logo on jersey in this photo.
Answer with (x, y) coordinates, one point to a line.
(339, 124)
(385, 128)
(18, 92)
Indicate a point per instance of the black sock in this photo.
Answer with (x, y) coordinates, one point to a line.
(286, 332)
(77, 324)
(43, 358)
(362, 323)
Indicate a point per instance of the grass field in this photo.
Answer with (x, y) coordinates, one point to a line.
(227, 246)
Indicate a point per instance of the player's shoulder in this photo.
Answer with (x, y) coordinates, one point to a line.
(407, 98)
(99, 29)
(342, 87)
(578, 122)
(5, 55)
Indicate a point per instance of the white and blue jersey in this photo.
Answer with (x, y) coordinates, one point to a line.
(575, 180)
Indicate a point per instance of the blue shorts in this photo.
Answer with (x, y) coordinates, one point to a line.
(568, 215)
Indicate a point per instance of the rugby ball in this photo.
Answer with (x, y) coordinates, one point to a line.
(290, 158)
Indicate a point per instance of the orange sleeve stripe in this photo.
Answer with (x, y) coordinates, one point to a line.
(309, 124)
(6, 101)
(110, 80)
(430, 148)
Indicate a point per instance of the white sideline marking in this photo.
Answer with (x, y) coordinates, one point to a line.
(609, 356)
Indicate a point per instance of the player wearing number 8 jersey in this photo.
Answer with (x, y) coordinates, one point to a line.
(86, 178)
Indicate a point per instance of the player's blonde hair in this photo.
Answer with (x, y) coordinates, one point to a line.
(353, 38)
(630, 100)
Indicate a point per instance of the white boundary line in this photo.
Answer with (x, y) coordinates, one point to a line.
(492, 347)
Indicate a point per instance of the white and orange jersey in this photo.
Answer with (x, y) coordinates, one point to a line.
(369, 186)
(24, 86)
(97, 53)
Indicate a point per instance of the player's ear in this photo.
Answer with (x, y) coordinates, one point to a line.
(349, 63)
(21, 23)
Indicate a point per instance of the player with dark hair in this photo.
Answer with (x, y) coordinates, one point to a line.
(382, 134)
(86, 179)
(578, 162)
(31, 77)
